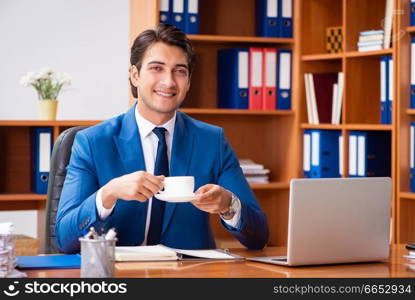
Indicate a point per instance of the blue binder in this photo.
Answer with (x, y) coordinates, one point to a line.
(233, 74)
(373, 153)
(41, 151)
(325, 153)
(412, 157)
(412, 20)
(267, 20)
(306, 153)
(284, 58)
(192, 16)
(390, 90)
(384, 89)
(178, 14)
(165, 12)
(286, 21)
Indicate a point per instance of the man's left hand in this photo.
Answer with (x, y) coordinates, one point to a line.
(212, 198)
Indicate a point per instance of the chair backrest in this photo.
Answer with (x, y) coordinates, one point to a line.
(61, 154)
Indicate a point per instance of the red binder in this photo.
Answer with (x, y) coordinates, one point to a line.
(269, 88)
(255, 78)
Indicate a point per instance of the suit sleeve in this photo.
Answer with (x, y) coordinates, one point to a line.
(252, 231)
(77, 210)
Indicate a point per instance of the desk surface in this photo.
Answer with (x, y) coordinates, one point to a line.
(395, 266)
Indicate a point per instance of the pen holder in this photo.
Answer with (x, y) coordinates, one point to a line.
(97, 258)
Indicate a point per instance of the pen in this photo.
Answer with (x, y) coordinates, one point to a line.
(111, 234)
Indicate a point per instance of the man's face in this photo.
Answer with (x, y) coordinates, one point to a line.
(163, 80)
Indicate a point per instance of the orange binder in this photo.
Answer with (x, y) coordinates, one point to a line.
(255, 78)
(269, 88)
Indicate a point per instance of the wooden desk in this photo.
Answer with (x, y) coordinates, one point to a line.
(395, 266)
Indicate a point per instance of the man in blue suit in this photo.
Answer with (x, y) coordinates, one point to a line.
(114, 170)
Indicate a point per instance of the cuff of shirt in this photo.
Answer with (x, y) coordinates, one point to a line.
(102, 211)
(234, 222)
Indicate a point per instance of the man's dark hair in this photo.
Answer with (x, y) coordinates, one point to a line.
(164, 33)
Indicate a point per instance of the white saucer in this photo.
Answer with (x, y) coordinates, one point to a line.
(175, 198)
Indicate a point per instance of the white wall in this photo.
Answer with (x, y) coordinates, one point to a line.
(89, 39)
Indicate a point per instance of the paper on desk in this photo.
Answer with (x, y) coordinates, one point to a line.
(212, 254)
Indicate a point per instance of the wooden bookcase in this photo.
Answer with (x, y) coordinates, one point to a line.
(361, 94)
(268, 137)
(405, 198)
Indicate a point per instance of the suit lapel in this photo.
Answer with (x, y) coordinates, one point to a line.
(180, 159)
(129, 144)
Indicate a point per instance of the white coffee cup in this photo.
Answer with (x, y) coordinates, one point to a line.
(179, 185)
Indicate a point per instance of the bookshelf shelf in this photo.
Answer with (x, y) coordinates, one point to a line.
(410, 29)
(22, 197)
(368, 53)
(407, 195)
(323, 56)
(247, 112)
(69, 123)
(347, 126)
(239, 39)
(321, 126)
(271, 186)
(410, 111)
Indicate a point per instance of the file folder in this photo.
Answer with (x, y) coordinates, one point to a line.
(412, 157)
(70, 261)
(269, 90)
(233, 72)
(267, 21)
(192, 16)
(255, 78)
(325, 153)
(178, 14)
(284, 79)
(286, 23)
(165, 12)
(341, 157)
(352, 154)
(306, 153)
(384, 87)
(412, 18)
(390, 90)
(373, 153)
(41, 153)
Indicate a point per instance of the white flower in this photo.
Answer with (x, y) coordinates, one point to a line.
(45, 73)
(28, 79)
(63, 78)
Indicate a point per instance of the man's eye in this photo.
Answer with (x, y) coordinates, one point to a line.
(155, 68)
(182, 71)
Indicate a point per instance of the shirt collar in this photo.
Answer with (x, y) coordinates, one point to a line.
(145, 127)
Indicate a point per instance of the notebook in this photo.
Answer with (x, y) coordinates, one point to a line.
(164, 253)
(71, 261)
(337, 220)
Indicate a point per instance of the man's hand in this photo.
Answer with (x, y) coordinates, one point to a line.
(138, 186)
(212, 198)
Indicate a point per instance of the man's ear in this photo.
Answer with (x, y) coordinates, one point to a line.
(134, 74)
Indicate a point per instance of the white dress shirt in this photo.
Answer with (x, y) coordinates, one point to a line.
(149, 142)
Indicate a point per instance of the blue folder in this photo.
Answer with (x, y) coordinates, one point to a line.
(233, 71)
(284, 66)
(70, 261)
(412, 92)
(42, 143)
(325, 153)
(285, 8)
(165, 12)
(178, 14)
(412, 157)
(412, 19)
(267, 20)
(384, 89)
(191, 16)
(390, 89)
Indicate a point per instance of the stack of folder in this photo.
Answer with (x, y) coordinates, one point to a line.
(254, 78)
(386, 89)
(370, 40)
(369, 154)
(184, 14)
(324, 96)
(274, 18)
(323, 153)
(254, 173)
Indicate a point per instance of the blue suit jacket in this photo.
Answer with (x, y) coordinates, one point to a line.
(113, 148)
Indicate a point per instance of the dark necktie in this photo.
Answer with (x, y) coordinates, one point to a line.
(157, 207)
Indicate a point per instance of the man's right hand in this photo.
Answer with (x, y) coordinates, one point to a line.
(138, 186)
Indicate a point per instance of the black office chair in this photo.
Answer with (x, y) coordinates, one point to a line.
(60, 159)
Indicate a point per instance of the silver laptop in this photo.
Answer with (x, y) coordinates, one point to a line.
(337, 220)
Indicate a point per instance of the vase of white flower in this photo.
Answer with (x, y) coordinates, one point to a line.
(48, 83)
